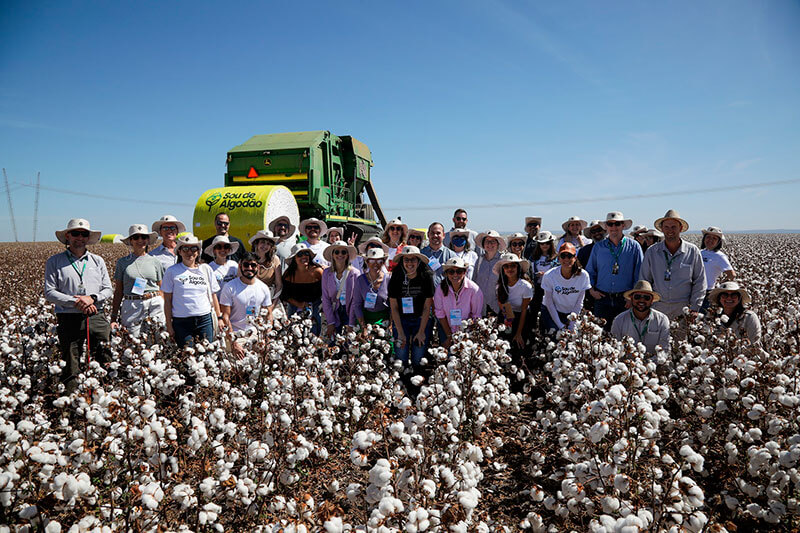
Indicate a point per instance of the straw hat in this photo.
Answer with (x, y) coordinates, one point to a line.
(141, 229)
(78, 223)
(616, 216)
(396, 222)
(328, 252)
(516, 237)
(323, 227)
(167, 219)
(574, 219)
(362, 248)
(455, 263)
(335, 229)
(187, 239)
(510, 258)
(729, 286)
(545, 236)
(263, 234)
(221, 239)
(491, 234)
(375, 253)
(410, 251)
(272, 225)
(593, 224)
(419, 232)
(642, 286)
(528, 220)
(674, 215)
(637, 229)
(297, 248)
(713, 230)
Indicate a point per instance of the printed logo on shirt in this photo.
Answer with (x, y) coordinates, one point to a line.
(565, 291)
(191, 279)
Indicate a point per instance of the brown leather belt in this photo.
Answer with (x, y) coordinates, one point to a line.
(145, 296)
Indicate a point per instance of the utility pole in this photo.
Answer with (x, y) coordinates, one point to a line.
(10, 207)
(36, 207)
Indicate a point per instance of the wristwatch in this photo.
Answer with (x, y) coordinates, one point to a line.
(94, 297)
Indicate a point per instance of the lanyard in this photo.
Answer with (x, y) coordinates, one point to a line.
(72, 263)
(619, 249)
(668, 260)
(644, 328)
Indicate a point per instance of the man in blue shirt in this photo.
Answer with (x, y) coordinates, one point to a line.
(613, 268)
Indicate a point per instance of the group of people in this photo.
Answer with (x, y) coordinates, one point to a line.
(422, 284)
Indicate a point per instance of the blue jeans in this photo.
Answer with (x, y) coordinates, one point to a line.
(316, 326)
(410, 328)
(186, 329)
(608, 307)
(548, 325)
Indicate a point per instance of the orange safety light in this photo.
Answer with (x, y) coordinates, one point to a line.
(252, 173)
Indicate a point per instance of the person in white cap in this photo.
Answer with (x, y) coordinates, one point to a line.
(675, 268)
(641, 322)
(77, 282)
(456, 299)
(190, 295)
(283, 229)
(436, 252)
(137, 283)
(533, 225)
(411, 298)
(314, 229)
(613, 268)
(168, 228)
(222, 223)
(394, 236)
(492, 244)
(731, 299)
(460, 244)
(573, 233)
(371, 292)
(460, 222)
(243, 298)
(221, 248)
(338, 286)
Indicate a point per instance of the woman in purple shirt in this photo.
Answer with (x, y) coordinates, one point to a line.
(337, 286)
(457, 298)
(370, 303)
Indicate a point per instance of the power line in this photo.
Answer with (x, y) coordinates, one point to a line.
(597, 198)
(10, 207)
(36, 207)
(105, 196)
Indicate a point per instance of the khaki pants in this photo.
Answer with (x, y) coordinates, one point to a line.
(71, 332)
(133, 312)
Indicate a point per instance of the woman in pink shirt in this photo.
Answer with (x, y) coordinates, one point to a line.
(457, 298)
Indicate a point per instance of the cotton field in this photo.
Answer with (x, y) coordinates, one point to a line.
(587, 435)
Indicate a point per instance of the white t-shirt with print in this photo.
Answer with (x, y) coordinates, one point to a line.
(224, 273)
(715, 264)
(567, 294)
(519, 291)
(244, 300)
(189, 289)
(318, 249)
(543, 264)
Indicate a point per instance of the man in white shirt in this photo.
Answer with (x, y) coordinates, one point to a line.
(241, 298)
(314, 229)
(284, 230)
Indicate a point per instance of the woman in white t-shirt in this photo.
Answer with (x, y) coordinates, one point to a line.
(715, 261)
(564, 289)
(224, 269)
(190, 289)
(459, 243)
(514, 293)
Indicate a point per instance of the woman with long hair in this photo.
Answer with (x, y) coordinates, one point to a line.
(564, 289)
(514, 294)
(410, 298)
(573, 232)
(732, 300)
(190, 294)
(137, 283)
(302, 285)
(544, 258)
(338, 282)
(457, 298)
(371, 292)
(394, 236)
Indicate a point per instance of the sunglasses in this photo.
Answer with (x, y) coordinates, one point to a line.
(645, 297)
(729, 294)
(415, 237)
(304, 254)
(395, 228)
(461, 218)
(566, 255)
(515, 244)
(79, 233)
(613, 223)
(190, 249)
(221, 223)
(531, 224)
(169, 228)
(373, 245)
(510, 266)
(248, 266)
(312, 226)
(282, 225)
(456, 271)
(341, 252)
(139, 236)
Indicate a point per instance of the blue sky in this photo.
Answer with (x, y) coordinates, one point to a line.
(485, 104)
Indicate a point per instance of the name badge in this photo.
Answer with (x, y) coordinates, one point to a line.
(370, 300)
(434, 264)
(342, 298)
(138, 286)
(81, 289)
(455, 317)
(408, 305)
(218, 275)
(250, 310)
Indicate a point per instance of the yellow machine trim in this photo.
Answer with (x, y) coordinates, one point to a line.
(300, 193)
(349, 219)
(271, 178)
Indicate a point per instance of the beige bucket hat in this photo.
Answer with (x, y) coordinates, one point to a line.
(574, 219)
(396, 222)
(362, 248)
(510, 258)
(642, 286)
(327, 253)
(545, 236)
(454, 263)
(528, 220)
(516, 237)
(713, 230)
(376, 254)
(617, 216)
(263, 234)
(410, 251)
(637, 229)
(292, 228)
(421, 233)
(188, 239)
(593, 224)
(729, 286)
(78, 224)
(141, 229)
(168, 219)
(221, 239)
(491, 234)
(672, 214)
(335, 229)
